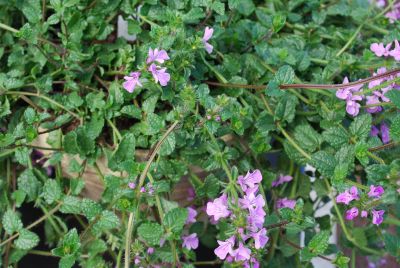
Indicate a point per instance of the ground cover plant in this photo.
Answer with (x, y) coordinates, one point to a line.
(210, 140)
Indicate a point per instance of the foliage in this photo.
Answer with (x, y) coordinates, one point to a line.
(62, 69)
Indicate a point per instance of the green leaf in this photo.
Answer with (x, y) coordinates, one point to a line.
(285, 75)
(244, 7)
(394, 96)
(71, 204)
(108, 220)
(32, 10)
(361, 126)
(133, 27)
(90, 208)
(11, 222)
(26, 240)
(278, 21)
(175, 219)
(51, 191)
(392, 244)
(395, 129)
(319, 243)
(286, 108)
(341, 261)
(28, 183)
(151, 233)
(125, 151)
(324, 162)
(361, 151)
(307, 137)
(218, 7)
(168, 145)
(68, 248)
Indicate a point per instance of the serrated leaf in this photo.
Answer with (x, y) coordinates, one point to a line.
(319, 243)
(360, 127)
(28, 183)
(26, 240)
(90, 208)
(395, 129)
(151, 233)
(51, 191)
(175, 219)
(168, 145)
(108, 220)
(11, 222)
(286, 108)
(307, 137)
(71, 204)
(394, 96)
(324, 162)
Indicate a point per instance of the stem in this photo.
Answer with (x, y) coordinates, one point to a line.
(138, 193)
(352, 38)
(38, 221)
(41, 97)
(343, 225)
(8, 28)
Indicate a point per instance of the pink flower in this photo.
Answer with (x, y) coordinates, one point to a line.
(373, 100)
(150, 251)
(364, 214)
(377, 216)
(285, 203)
(395, 53)
(352, 213)
(242, 253)
(160, 75)
(190, 241)
(225, 247)
(131, 81)
(218, 208)
(385, 133)
(192, 213)
(352, 107)
(253, 261)
(380, 50)
(208, 32)
(157, 55)
(348, 196)
(142, 190)
(131, 185)
(250, 180)
(376, 192)
(255, 219)
(260, 238)
(346, 93)
(281, 180)
(251, 201)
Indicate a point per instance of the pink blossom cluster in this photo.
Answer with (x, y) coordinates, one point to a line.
(208, 32)
(351, 194)
(251, 234)
(159, 74)
(382, 131)
(393, 14)
(353, 94)
(281, 180)
(190, 241)
(382, 50)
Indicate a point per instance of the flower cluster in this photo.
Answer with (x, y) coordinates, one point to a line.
(190, 241)
(159, 74)
(383, 131)
(281, 180)
(353, 94)
(208, 32)
(351, 194)
(250, 232)
(393, 14)
(381, 50)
